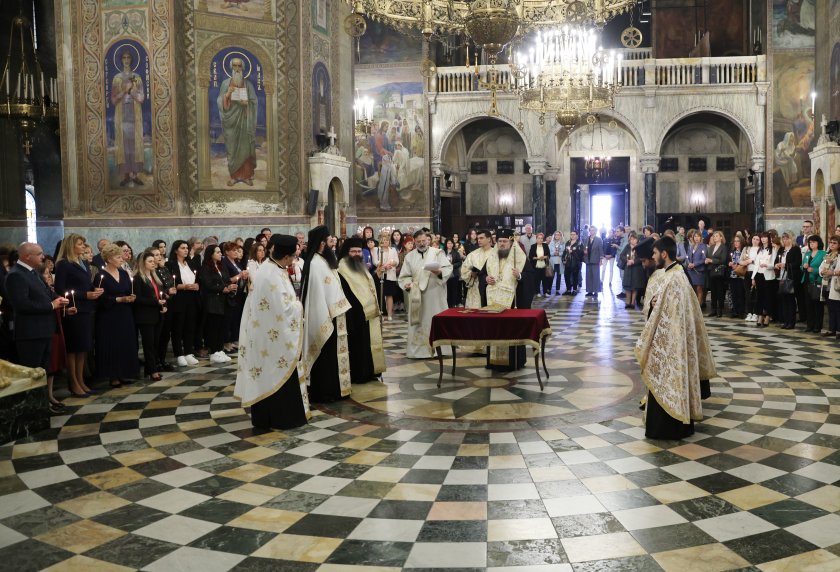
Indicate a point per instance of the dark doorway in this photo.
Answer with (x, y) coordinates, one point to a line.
(329, 209)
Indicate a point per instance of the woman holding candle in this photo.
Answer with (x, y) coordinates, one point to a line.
(116, 338)
(184, 305)
(167, 282)
(71, 274)
(149, 309)
(58, 355)
(215, 286)
(235, 268)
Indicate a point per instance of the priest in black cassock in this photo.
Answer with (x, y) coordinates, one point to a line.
(326, 360)
(364, 328)
(270, 341)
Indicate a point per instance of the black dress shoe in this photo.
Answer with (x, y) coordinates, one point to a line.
(166, 366)
(621, 295)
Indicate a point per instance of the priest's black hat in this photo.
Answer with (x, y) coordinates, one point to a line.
(316, 236)
(504, 233)
(644, 249)
(352, 242)
(281, 245)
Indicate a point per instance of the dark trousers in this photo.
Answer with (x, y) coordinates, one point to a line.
(163, 336)
(572, 276)
(540, 279)
(814, 315)
(718, 287)
(453, 292)
(558, 276)
(233, 317)
(750, 295)
(834, 316)
(183, 328)
(150, 338)
(788, 304)
(736, 288)
(801, 292)
(34, 353)
(214, 331)
(768, 291)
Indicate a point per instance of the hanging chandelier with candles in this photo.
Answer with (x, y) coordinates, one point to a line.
(566, 73)
(26, 95)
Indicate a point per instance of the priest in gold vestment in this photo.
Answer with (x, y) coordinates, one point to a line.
(673, 350)
(364, 326)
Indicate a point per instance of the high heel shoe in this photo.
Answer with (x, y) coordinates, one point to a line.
(155, 377)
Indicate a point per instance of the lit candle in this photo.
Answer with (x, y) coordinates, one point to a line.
(101, 276)
(64, 309)
(73, 297)
(132, 285)
(813, 101)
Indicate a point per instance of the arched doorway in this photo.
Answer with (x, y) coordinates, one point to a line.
(703, 174)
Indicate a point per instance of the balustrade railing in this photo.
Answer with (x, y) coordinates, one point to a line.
(636, 71)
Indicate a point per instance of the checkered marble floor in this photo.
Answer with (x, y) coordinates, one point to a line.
(171, 475)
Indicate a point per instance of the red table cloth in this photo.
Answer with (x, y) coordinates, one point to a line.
(465, 326)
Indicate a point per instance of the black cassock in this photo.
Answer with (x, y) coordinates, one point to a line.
(358, 339)
(283, 409)
(524, 297)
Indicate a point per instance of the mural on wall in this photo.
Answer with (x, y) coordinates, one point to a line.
(321, 101)
(237, 120)
(122, 3)
(793, 129)
(320, 16)
(383, 44)
(242, 8)
(390, 163)
(128, 116)
(834, 85)
(793, 23)
(675, 28)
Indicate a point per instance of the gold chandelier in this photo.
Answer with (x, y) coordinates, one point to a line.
(566, 73)
(26, 95)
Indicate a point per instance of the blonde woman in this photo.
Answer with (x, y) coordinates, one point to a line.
(716, 260)
(72, 276)
(385, 260)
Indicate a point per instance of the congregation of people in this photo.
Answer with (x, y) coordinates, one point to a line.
(87, 315)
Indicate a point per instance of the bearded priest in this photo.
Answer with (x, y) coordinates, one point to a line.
(326, 361)
(423, 276)
(673, 350)
(270, 340)
(364, 328)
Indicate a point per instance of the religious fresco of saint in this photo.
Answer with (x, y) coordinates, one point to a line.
(793, 129)
(390, 162)
(794, 22)
(128, 117)
(237, 120)
(241, 8)
(320, 16)
(321, 101)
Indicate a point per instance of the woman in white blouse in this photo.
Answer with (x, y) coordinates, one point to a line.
(764, 280)
(748, 257)
(385, 260)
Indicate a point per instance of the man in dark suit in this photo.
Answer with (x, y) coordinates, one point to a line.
(807, 230)
(593, 252)
(34, 306)
(97, 261)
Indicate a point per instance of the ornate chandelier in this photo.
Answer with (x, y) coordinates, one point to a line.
(27, 96)
(567, 73)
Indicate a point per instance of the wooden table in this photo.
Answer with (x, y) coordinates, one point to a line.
(473, 327)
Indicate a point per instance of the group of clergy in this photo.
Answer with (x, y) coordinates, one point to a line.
(295, 351)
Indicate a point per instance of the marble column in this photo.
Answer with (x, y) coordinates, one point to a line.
(551, 205)
(650, 166)
(538, 194)
(759, 222)
(436, 215)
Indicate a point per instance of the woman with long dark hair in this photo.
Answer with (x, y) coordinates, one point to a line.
(149, 308)
(453, 288)
(184, 305)
(238, 274)
(764, 280)
(215, 286)
(736, 282)
(811, 262)
(167, 283)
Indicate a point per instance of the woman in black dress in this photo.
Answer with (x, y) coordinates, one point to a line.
(167, 283)
(236, 269)
(116, 338)
(215, 287)
(149, 309)
(453, 286)
(73, 277)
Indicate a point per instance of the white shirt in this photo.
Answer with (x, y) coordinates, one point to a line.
(187, 275)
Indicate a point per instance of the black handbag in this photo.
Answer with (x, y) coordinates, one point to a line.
(786, 286)
(718, 271)
(814, 292)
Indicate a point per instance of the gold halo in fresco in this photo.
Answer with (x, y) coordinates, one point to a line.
(478, 394)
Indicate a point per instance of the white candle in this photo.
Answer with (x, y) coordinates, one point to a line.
(813, 101)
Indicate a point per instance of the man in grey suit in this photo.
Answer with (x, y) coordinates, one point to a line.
(592, 254)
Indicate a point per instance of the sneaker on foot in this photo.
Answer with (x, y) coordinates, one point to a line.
(218, 357)
(181, 361)
(191, 360)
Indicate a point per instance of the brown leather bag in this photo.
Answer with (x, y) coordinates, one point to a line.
(740, 270)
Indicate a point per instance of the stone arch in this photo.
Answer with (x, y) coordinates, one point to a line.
(724, 135)
(484, 137)
(439, 150)
(726, 114)
(610, 114)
